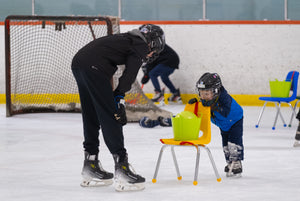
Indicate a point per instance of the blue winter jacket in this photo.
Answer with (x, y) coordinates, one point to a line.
(226, 111)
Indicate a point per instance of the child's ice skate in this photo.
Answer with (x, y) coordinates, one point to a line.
(297, 143)
(234, 169)
(159, 97)
(175, 98)
(297, 137)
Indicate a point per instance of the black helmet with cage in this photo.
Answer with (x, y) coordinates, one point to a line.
(211, 84)
(155, 37)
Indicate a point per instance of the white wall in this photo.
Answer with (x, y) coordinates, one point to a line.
(246, 56)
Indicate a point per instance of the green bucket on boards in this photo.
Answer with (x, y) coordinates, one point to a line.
(280, 89)
(186, 126)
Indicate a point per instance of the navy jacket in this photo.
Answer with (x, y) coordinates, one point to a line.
(226, 111)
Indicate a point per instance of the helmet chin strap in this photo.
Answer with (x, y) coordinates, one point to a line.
(207, 103)
(210, 102)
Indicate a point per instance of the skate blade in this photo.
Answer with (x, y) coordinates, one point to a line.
(296, 144)
(231, 175)
(96, 183)
(124, 186)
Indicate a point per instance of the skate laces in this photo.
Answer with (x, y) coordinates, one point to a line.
(171, 97)
(174, 98)
(128, 167)
(237, 164)
(131, 168)
(96, 164)
(100, 166)
(158, 95)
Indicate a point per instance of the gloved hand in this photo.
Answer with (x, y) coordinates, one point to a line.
(153, 57)
(193, 100)
(145, 79)
(165, 122)
(120, 115)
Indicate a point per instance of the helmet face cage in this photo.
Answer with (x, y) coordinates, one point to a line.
(208, 87)
(155, 37)
(207, 94)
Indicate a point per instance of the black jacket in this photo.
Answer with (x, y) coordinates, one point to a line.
(107, 52)
(167, 57)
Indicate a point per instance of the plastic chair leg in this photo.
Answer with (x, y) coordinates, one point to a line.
(179, 177)
(278, 113)
(159, 160)
(195, 182)
(260, 114)
(293, 113)
(213, 164)
(276, 116)
(158, 163)
(197, 166)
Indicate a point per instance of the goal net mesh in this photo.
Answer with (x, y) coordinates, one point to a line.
(39, 52)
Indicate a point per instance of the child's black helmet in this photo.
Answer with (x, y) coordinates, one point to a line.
(155, 37)
(212, 82)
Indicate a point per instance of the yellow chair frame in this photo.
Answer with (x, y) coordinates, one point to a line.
(201, 142)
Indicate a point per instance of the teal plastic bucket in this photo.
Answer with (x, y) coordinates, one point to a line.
(186, 126)
(280, 89)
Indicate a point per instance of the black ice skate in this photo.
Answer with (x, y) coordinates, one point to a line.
(159, 97)
(234, 169)
(125, 177)
(93, 174)
(175, 98)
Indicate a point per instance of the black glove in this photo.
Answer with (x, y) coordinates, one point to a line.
(193, 100)
(145, 79)
(165, 122)
(120, 115)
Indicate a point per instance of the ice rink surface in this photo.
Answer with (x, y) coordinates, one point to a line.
(41, 157)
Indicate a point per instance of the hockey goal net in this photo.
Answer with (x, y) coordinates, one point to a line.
(39, 51)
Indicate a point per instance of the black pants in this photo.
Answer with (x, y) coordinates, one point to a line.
(98, 108)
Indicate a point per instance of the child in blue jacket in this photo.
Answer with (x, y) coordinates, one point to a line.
(227, 114)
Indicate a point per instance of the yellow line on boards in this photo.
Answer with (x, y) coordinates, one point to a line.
(244, 100)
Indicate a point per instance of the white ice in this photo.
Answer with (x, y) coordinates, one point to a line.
(41, 157)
